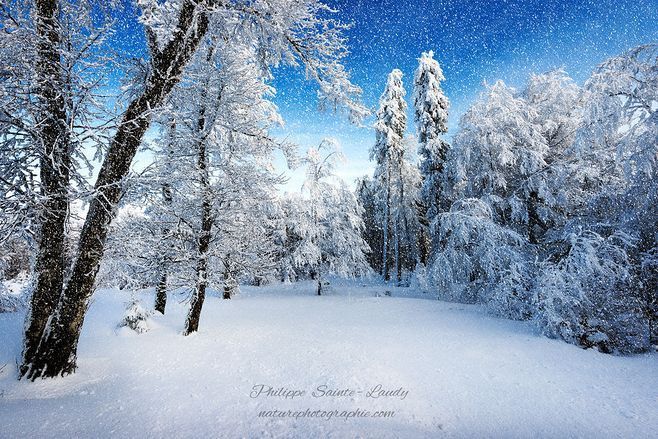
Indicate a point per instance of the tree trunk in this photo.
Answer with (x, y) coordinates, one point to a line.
(56, 353)
(199, 295)
(387, 214)
(161, 289)
(535, 224)
(230, 284)
(228, 292)
(161, 293)
(54, 163)
(396, 252)
(423, 234)
(399, 254)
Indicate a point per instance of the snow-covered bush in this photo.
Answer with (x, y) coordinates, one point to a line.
(15, 293)
(479, 261)
(15, 257)
(136, 317)
(588, 296)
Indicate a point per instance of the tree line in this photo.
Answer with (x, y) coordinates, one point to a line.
(542, 206)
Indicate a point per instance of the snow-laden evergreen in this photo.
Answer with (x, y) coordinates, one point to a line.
(136, 317)
(431, 117)
(397, 183)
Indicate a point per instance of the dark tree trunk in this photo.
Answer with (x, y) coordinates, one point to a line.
(161, 293)
(199, 295)
(423, 235)
(54, 163)
(372, 230)
(230, 283)
(319, 286)
(56, 353)
(229, 286)
(400, 256)
(535, 224)
(387, 234)
(161, 289)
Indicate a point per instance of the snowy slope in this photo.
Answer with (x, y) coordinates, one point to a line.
(466, 374)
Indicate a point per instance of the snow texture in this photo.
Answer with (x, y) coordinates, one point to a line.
(467, 374)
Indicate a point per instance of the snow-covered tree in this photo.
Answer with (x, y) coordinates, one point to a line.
(556, 104)
(555, 209)
(431, 116)
(287, 31)
(600, 269)
(389, 130)
(346, 250)
(480, 261)
(132, 255)
(367, 193)
(211, 182)
(480, 254)
(408, 237)
(586, 297)
(498, 154)
(329, 222)
(227, 129)
(397, 182)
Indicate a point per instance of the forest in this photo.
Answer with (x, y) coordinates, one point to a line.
(541, 206)
(328, 218)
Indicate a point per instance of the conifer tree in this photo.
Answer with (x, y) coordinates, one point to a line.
(431, 116)
(396, 181)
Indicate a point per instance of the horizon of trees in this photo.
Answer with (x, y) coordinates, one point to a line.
(542, 207)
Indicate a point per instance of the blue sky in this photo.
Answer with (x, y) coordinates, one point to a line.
(474, 41)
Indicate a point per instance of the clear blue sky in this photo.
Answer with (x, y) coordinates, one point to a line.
(474, 41)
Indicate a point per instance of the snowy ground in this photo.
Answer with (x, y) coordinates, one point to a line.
(466, 374)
